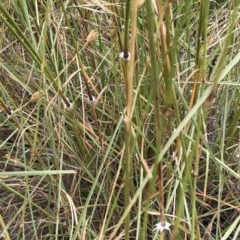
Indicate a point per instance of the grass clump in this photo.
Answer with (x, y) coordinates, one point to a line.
(119, 120)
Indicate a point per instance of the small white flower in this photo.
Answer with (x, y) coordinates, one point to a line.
(70, 106)
(121, 55)
(67, 105)
(10, 113)
(162, 226)
(173, 155)
(94, 100)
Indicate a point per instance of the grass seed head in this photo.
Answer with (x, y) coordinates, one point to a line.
(92, 36)
(37, 96)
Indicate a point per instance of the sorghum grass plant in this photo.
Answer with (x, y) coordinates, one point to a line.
(120, 119)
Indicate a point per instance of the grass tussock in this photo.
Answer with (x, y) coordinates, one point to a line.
(119, 120)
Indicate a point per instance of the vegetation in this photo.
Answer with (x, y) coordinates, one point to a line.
(119, 119)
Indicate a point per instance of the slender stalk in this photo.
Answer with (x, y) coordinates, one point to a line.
(126, 29)
(128, 138)
(201, 49)
(129, 188)
(157, 122)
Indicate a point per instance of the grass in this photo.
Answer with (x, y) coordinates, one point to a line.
(97, 146)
